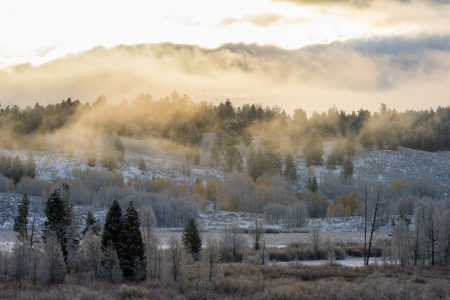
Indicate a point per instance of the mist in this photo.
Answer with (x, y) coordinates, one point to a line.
(402, 72)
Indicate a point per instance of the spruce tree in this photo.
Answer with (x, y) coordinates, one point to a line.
(313, 149)
(239, 162)
(131, 248)
(56, 222)
(215, 154)
(312, 184)
(348, 168)
(142, 165)
(120, 148)
(196, 156)
(20, 221)
(191, 238)
(90, 153)
(30, 168)
(91, 224)
(17, 170)
(290, 171)
(111, 229)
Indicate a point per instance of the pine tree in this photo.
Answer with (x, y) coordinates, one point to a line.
(142, 165)
(20, 221)
(131, 248)
(239, 164)
(313, 149)
(290, 171)
(30, 169)
(348, 168)
(17, 169)
(312, 184)
(215, 154)
(90, 153)
(120, 148)
(350, 146)
(230, 157)
(112, 228)
(196, 156)
(56, 222)
(91, 223)
(191, 238)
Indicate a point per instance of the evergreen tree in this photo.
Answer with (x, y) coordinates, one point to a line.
(331, 161)
(57, 221)
(90, 154)
(348, 168)
(91, 223)
(191, 238)
(231, 154)
(290, 171)
(112, 227)
(251, 163)
(239, 163)
(30, 169)
(273, 163)
(131, 248)
(17, 170)
(21, 221)
(215, 154)
(350, 146)
(196, 156)
(142, 165)
(312, 184)
(313, 149)
(120, 148)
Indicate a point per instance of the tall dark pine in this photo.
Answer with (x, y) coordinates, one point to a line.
(20, 221)
(111, 229)
(191, 238)
(312, 184)
(290, 171)
(57, 221)
(131, 248)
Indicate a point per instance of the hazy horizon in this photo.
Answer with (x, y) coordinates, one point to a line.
(293, 53)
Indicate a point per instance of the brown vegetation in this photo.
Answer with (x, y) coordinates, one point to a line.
(257, 282)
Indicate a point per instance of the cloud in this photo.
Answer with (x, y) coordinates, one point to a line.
(261, 20)
(357, 3)
(333, 73)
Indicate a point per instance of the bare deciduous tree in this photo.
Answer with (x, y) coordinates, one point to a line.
(256, 231)
(53, 268)
(110, 267)
(90, 249)
(211, 256)
(175, 257)
(315, 237)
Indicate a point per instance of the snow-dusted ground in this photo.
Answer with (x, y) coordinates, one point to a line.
(349, 262)
(388, 165)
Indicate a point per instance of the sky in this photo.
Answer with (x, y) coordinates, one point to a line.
(292, 53)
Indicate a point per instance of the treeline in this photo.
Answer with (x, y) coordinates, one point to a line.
(179, 119)
(15, 168)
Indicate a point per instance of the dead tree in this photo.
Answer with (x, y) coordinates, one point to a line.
(375, 221)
